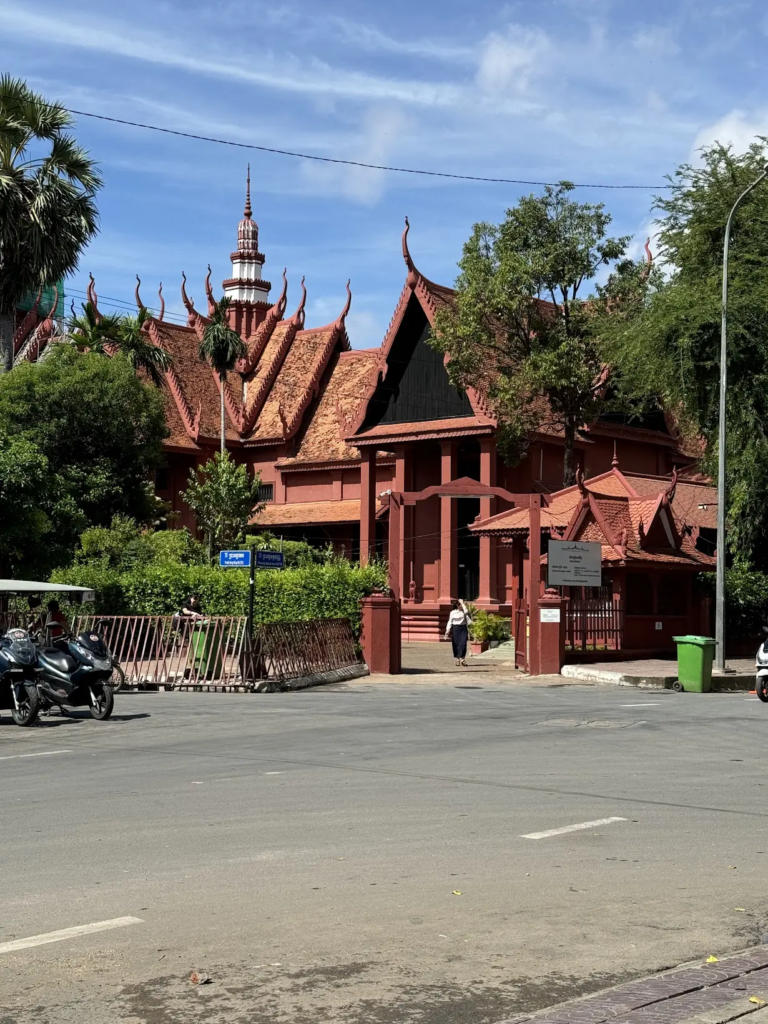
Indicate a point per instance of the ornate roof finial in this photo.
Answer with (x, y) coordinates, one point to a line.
(669, 494)
(247, 211)
(343, 314)
(55, 302)
(209, 293)
(298, 316)
(189, 303)
(283, 300)
(72, 308)
(91, 292)
(139, 303)
(648, 253)
(580, 484)
(162, 301)
(615, 459)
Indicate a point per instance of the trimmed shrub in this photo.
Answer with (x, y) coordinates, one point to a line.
(325, 591)
(746, 600)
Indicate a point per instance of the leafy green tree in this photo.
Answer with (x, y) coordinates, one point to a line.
(101, 430)
(222, 348)
(223, 498)
(106, 334)
(23, 479)
(47, 209)
(124, 545)
(295, 552)
(520, 329)
(669, 344)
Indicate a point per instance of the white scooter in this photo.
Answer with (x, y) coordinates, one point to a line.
(761, 665)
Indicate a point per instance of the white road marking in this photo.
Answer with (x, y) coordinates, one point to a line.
(40, 753)
(645, 704)
(570, 828)
(272, 773)
(68, 933)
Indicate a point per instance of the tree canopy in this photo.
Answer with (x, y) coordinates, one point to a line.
(223, 498)
(222, 347)
(47, 210)
(100, 429)
(670, 344)
(520, 330)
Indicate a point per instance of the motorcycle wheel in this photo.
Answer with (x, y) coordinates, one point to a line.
(761, 689)
(29, 707)
(117, 679)
(105, 703)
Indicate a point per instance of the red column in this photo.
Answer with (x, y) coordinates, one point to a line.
(404, 482)
(367, 504)
(449, 567)
(550, 612)
(488, 545)
(534, 585)
(380, 633)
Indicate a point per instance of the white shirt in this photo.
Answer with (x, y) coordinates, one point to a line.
(458, 617)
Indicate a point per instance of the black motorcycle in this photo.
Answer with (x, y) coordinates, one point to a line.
(75, 672)
(18, 678)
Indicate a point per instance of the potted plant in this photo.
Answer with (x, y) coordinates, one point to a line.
(479, 632)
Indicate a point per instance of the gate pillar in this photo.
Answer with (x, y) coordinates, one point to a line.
(551, 615)
(380, 634)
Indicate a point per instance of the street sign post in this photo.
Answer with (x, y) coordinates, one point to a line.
(235, 559)
(574, 563)
(269, 560)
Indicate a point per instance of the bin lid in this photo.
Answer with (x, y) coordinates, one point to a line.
(700, 641)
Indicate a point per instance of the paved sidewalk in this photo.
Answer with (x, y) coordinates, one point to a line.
(657, 672)
(735, 988)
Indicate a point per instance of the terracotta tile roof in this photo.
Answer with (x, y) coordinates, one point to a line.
(340, 396)
(386, 432)
(309, 513)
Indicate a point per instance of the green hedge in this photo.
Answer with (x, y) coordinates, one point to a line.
(310, 592)
(746, 600)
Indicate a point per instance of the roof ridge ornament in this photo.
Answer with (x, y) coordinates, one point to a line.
(298, 316)
(669, 494)
(413, 274)
(209, 293)
(615, 459)
(139, 303)
(247, 212)
(343, 315)
(162, 301)
(582, 488)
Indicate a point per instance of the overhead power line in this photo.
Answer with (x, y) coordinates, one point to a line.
(351, 163)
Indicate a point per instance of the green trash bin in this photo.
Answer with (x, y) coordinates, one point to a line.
(694, 662)
(206, 651)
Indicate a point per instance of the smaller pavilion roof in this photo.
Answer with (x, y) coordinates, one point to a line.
(635, 518)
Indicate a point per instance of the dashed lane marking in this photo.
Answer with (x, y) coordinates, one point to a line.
(40, 753)
(571, 828)
(67, 933)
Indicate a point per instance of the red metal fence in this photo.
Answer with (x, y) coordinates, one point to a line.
(181, 653)
(594, 624)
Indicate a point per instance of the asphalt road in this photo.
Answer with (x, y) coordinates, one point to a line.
(356, 855)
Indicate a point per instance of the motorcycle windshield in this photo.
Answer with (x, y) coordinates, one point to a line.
(22, 651)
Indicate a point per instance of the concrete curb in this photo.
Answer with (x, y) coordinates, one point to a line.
(720, 684)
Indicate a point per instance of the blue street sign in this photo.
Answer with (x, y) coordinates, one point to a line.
(235, 559)
(269, 560)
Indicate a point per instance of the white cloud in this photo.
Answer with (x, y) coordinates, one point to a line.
(374, 40)
(656, 41)
(738, 129)
(286, 74)
(508, 61)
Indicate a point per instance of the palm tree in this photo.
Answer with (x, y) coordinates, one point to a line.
(47, 208)
(222, 348)
(98, 332)
(93, 330)
(133, 342)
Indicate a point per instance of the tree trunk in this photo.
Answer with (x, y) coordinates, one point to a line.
(6, 341)
(569, 467)
(222, 414)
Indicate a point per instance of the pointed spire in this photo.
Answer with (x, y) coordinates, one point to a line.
(139, 303)
(209, 293)
(615, 459)
(162, 301)
(298, 316)
(343, 315)
(247, 212)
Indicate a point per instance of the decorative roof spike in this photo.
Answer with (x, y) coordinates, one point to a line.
(641, 532)
(298, 316)
(413, 273)
(54, 304)
(162, 301)
(669, 494)
(347, 304)
(648, 253)
(189, 303)
(580, 484)
(139, 303)
(283, 300)
(209, 293)
(91, 292)
(72, 308)
(615, 459)
(247, 213)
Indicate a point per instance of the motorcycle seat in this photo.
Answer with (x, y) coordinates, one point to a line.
(60, 661)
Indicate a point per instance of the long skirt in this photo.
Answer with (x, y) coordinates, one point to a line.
(459, 640)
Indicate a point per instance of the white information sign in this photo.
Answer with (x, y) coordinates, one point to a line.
(574, 563)
(550, 615)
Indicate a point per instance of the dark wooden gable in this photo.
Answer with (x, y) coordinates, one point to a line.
(416, 387)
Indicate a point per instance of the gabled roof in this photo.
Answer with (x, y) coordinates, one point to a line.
(635, 518)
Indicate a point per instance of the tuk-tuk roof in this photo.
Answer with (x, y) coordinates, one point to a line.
(33, 587)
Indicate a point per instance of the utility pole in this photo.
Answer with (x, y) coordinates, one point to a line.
(720, 592)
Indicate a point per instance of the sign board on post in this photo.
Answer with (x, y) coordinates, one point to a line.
(574, 563)
(269, 560)
(549, 615)
(235, 559)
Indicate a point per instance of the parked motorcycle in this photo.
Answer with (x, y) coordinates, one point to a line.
(761, 665)
(18, 689)
(76, 672)
(117, 679)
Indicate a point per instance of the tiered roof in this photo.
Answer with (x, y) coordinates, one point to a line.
(635, 518)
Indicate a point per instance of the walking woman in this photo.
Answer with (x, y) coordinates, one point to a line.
(458, 630)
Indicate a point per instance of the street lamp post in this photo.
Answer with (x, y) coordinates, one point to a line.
(720, 592)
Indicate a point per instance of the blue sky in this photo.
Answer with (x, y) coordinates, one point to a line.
(589, 90)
